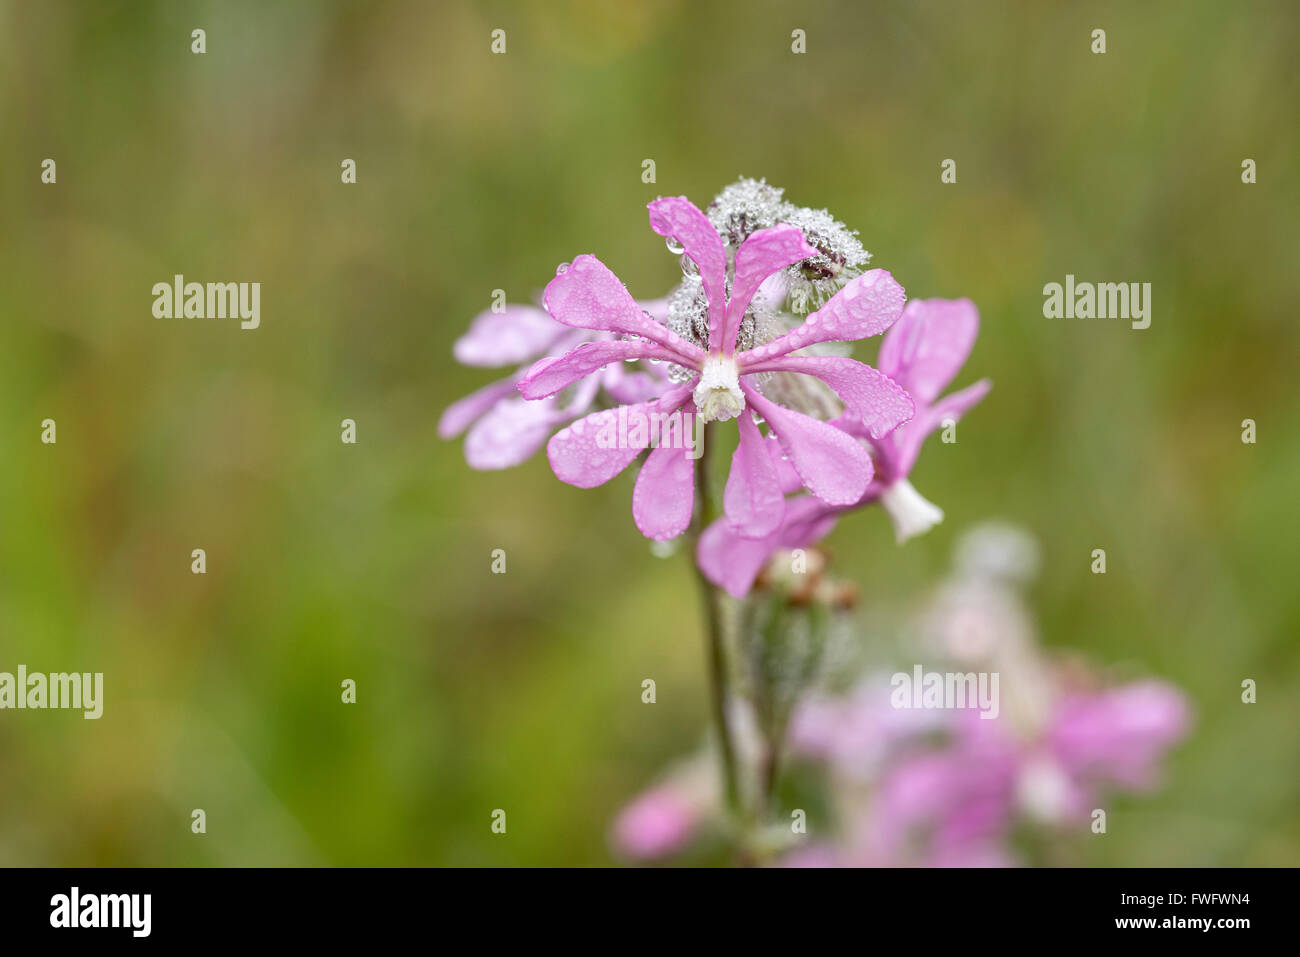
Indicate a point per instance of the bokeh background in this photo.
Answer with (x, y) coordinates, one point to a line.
(475, 172)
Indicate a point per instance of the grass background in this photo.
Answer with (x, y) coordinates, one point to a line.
(477, 172)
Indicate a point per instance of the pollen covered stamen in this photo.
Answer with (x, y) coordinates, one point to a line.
(717, 395)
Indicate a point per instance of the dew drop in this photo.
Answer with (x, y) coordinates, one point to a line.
(674, 246)
(561, 269)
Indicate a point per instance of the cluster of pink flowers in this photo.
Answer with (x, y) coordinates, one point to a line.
(950, 787)
(951, 792)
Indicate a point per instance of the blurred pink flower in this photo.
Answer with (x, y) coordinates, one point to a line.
(658, 823)
(956, 803)
(1118, 735)
(827, 461)
(854, 734)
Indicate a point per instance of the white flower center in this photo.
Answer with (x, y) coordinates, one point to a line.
(912, 513)
(717, 395)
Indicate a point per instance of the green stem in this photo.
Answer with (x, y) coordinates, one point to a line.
(771, 773)
(718, 674)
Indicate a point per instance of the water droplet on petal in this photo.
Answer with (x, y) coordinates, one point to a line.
(561, 269)
(674, 246)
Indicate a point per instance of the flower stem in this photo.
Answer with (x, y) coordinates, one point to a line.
(717, 650)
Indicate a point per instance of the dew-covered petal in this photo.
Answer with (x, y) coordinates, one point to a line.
(678, 219)
(762, 254)
(587, 453)
(664, 496)
(458, 416)
(578, 400)
(586, 295)
(517, 334)
(548, 376)
(909, 439)
(866, 306)
(833, 465)
(510, 433)
(786, 476)
(875, 399)
(929, 344)
(752, 499)
(657, 308)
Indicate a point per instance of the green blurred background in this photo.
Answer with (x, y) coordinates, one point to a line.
(475, 172)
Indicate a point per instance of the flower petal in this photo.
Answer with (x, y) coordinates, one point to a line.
(587, 453)
(1120, 734)
(658, 308)
(929, 344)
(548, 376)
(658, 823)
(912, 436)
(511, 432)
(753, 500)
(786, 476)
(677, 218)
(664, 496)
(517, 334)
(762, 254)
(868, 305)
(627, 384)
(732, 562)
(833, 465)
(586, 295)
(458, 416)
(875, 399)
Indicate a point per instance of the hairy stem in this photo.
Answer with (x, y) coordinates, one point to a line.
(717, 650)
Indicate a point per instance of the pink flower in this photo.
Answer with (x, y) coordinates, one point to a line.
(834, 467)
(973, 790)
(856, 733)
(1117, 736)
(658, 823)
(944, 802)
(504, 430)
(921, 353)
